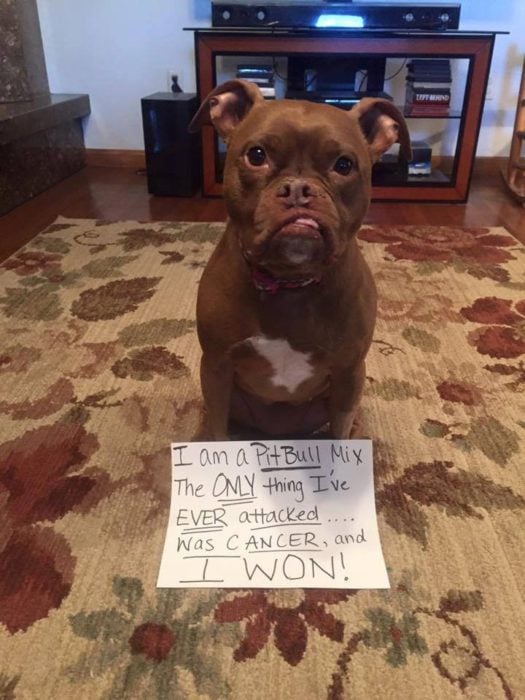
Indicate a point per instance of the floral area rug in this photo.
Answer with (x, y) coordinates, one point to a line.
(99, 373)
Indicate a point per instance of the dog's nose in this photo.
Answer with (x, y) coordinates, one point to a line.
(296, 192)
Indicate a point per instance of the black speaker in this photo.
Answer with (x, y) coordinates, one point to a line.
(173, 156)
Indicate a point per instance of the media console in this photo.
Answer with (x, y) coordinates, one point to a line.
(474, 49)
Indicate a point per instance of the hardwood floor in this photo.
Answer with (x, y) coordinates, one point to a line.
(120, 193)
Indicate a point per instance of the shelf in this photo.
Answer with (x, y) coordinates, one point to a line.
(349, 33)
(453, 114)
(437, 177)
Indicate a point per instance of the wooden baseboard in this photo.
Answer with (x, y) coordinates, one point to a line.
(112, 158)
(489, 165)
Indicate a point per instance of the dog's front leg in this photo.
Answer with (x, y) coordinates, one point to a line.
(216, 382)
(345, 394)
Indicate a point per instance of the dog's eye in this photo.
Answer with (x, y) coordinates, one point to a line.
(343, 166)
(256, 156)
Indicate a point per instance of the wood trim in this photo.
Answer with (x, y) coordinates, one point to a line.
(473, 110)
(205, 84)
(489, 165)
(372, 45)
(114, 158)
(416, 193)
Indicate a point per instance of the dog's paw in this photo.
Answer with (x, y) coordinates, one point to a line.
(202, 432)
(357, 429)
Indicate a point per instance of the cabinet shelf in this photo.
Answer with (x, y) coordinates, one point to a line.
(436, 177)
(453, 114)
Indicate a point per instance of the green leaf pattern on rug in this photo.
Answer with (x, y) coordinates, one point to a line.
(195, 232)
(129, 591)
(458, 492)
(152, 644)
(139, 238)
(421, 339)
(497, 442)
(33, 281)
(52, 245)
(113, 299)
(393, 389)
(100, 624)
(31, 305)
(429, 268)
(108, 267)
(143, 364)
(157, 331)
(434, 428)
(399, 637)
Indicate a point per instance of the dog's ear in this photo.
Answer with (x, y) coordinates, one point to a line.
(227, 106)
(383, 125)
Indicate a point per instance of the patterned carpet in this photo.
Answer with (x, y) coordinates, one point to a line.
(99, 372)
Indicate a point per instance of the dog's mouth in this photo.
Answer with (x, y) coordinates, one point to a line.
(297, 243)
(301, 227)
(300, 240)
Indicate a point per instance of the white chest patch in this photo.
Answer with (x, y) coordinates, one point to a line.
(290, 367)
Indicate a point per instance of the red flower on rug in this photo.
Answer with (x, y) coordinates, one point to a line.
(460, 392)
(267, 611)
(152, 643)
(31, 261)
(504, 334)
(441, 244)
(36, 565)
(152, 640)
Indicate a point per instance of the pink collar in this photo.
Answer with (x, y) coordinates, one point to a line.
(266, 283)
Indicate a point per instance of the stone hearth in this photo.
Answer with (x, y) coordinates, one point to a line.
(41, 137)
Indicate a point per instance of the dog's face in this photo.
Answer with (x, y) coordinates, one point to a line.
(296, 184)
(297, 179)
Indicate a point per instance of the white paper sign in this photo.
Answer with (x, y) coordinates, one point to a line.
(273, 514)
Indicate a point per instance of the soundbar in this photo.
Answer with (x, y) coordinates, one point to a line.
(335, 15)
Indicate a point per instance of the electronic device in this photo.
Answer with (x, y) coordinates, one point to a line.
(335, 80)
(421, 163)
(173, 156)
(335, 15)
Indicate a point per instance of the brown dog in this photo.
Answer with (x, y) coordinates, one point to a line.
(286, 305)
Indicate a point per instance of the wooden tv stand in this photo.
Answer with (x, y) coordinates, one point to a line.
(474, 47)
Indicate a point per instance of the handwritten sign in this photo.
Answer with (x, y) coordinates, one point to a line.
(273, 514)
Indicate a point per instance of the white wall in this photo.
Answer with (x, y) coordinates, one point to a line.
(118, 51)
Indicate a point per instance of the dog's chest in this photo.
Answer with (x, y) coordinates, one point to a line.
(272, 368)
(290, 367)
